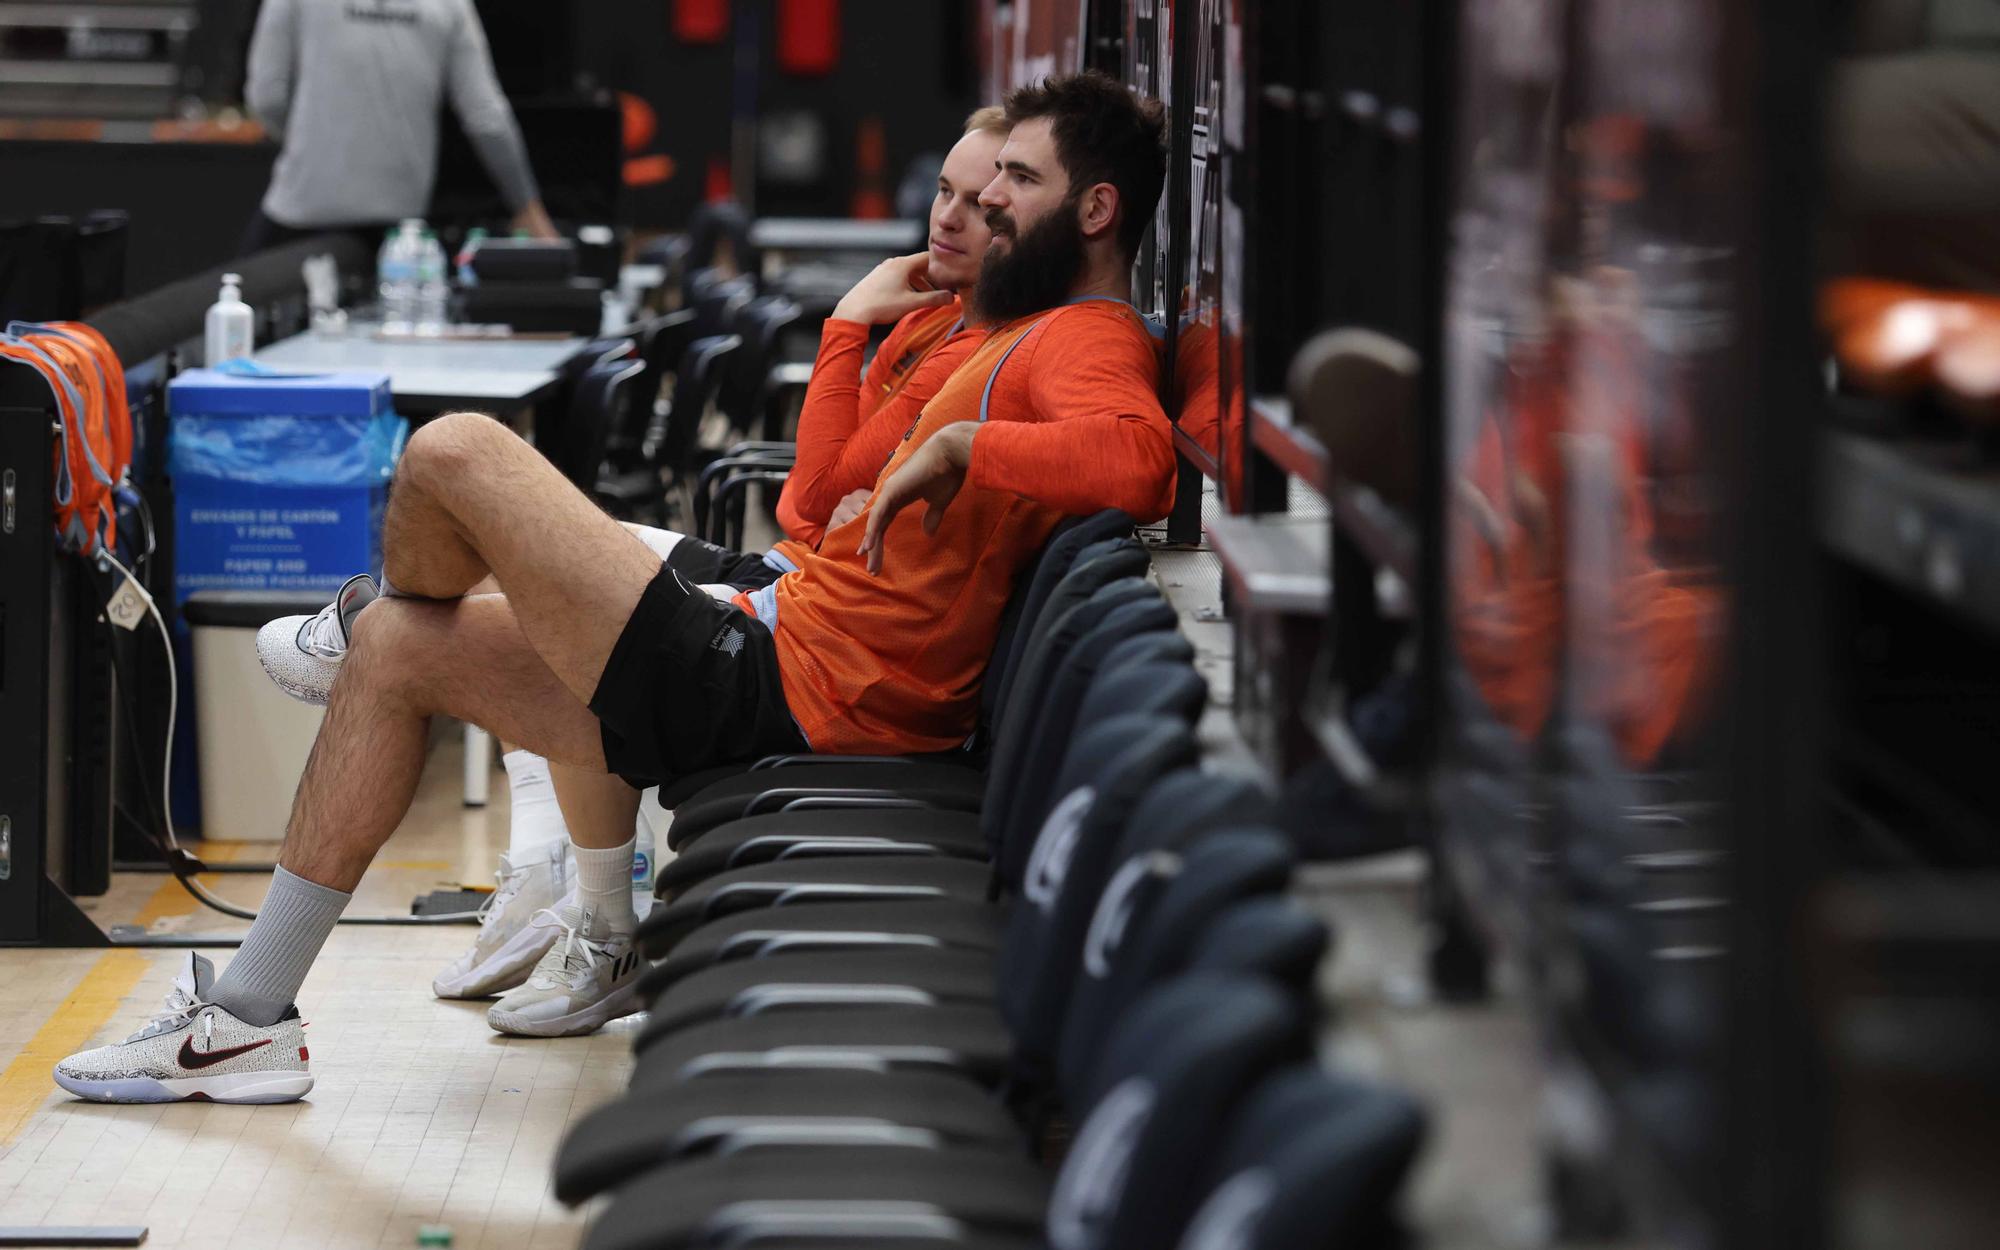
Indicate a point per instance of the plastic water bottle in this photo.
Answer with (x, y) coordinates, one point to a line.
(433, 293)
(396, 271)
(642, 866)
(231, 329)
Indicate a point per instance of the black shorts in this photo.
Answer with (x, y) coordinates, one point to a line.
(692, 684)
(705, 564)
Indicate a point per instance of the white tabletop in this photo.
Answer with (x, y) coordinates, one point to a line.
(434, 372)
(835, 234)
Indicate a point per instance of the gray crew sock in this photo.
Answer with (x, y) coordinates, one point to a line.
(383, 587)
(264, 978)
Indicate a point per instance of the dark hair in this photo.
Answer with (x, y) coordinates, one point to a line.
(1103, 133)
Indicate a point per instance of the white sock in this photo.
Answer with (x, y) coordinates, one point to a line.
(604, 888)
(382, 586)
(537, 820)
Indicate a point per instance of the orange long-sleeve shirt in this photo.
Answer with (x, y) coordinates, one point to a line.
(1072, 425)
(850, 423)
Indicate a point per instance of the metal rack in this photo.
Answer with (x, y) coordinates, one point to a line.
(94, 58)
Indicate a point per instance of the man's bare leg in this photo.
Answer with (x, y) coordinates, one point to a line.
(471, 499)
(602, 813)
(600, 810)
(409, 660)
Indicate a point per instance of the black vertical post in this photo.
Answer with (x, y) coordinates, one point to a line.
(1773, 1190)
(26, 683)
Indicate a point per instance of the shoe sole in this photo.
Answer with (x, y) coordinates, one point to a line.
(622, 1001)
(235, 1087)
(304, 694)
(503, 970)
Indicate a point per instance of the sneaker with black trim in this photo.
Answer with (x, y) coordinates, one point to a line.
(581, 985)
(517, 925)
(303, 653)
(195, 1051)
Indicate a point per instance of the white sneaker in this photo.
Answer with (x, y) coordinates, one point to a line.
(516, 928)
(303, 653)
(579, 986)
(195, 1051)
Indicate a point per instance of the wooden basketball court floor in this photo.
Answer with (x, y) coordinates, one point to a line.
(420, 1113)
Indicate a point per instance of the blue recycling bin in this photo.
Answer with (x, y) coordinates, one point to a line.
(280, 479)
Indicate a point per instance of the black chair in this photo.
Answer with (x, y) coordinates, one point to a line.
(552, 413)
(1310, 1158)
(1223, 869)
(762, 322)
(1173, 1074)
(641, 493)
(715, 298)
(577, 448)
(659, 342)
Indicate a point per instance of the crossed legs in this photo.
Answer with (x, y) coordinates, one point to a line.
(470, 499)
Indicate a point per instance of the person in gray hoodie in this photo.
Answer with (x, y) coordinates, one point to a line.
(352, 89)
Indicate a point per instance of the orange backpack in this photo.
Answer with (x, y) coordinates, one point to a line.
(95, 450)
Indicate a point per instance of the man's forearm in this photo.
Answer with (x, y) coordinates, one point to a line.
(1079, 466)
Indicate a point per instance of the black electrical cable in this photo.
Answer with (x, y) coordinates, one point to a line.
(179, 861)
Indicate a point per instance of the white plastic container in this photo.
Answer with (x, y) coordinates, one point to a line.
(231, 330)
(433, 289)
(643, 852)
(254, 738)
(397, 272)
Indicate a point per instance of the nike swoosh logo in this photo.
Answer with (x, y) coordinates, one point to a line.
(192, 1058)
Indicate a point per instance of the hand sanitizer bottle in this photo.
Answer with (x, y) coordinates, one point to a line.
(231, 327)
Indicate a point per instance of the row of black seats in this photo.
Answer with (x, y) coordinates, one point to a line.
(884, 991)
(614, 433)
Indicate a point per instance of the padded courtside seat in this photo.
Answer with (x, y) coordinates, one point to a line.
(838, 879)
(1310, 1158)
(1181, 808)
(946, 786)
(1112, 762)
(721, 1114)
(1174, 1071)
(1155, 909)
(696, 1204)
(888, 976)
(761, 839)
(766, 934)
(1229, 868)
(970, 1039)
(1110, 771)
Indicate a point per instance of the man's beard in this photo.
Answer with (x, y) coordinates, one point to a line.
(1037, 272)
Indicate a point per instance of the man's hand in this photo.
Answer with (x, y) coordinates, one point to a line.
(847, 509)
(933, 475)
(892, 290)
(534, 220)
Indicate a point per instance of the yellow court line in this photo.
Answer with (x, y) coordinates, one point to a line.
(24, 1083)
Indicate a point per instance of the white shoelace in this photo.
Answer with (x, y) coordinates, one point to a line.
(181, 1006)
(580, 955)
(321, 635)
(510, 883)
